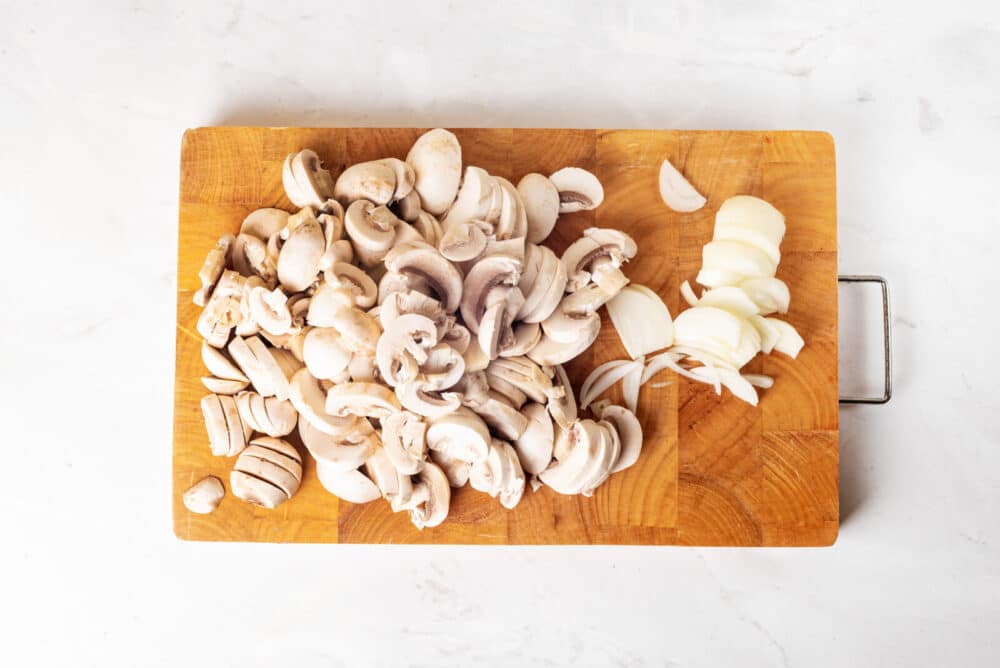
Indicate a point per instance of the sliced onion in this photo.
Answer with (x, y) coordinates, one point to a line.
(709, 375)
(667, 360)
(739, 386)
(688, 294)
(642, 320)
(714, 278)
(769, 334)
(759, 380)
(706, 358)
(737, 257)
(750, 344)
(752, 213)
(606, 380)
(677, 192)
(770, 294)
(731, 299)
(789, 341)
(630, 385)
(707, 327)
(597, 373)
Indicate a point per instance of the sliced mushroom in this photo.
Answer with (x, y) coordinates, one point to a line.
(526, 336)
(409, 207)
(461, 435)
(404, 439)
(267, 473)
(306, 182)
(472, 201)
(223, 385)
(534, 447)
(403, 346)
(524, 375)
(309, 400)
(226, 432)
(361, 399)
(502, 418)
(541, 204)
(499, 474)
(579, 190)
(346, 450)
(267, 415)
(431, 497)
(628, 429)
(204, 496)
(363, 369)
(587, 300)
(464, 241)
(326, 303)
(489, 280)
(496, 334)
(436, 159)
(562, 407)
(264, 223)
(475, 358)
(300, 255)
(595, 245)
(443, 368)
(223, 311)
(359, 332)
(354, 280)
(458, 337)
(424, 261)
(219, 365)
(261, 365)
(580, 461)
(352, 486)
(456, 470)
(250, 258)
(543, 289)
(396, 488)
(269, 309)
(211, 270)
(429, 228)
(420, 397)
(411, 301)
(324, 354)
(374, 181)
(512, 223)
(371, 229)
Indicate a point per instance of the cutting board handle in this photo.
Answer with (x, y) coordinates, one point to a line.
(886, 342)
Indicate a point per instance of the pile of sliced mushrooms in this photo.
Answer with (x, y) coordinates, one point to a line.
(407, 322)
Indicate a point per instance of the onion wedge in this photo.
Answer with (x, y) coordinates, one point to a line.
(606, 379)
(789, 341)
(631, 383)
(677, 192)
(642, 320)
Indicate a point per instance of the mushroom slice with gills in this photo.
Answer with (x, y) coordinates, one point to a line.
(523, 374)
(425, 262)
(473, 387)
(403, 346)
(407, 233)
(395, 487)
(267, 473)
(436, 159)
(475, 358)
(309, 399)
(226, 432)
(374, 181)
(418, 396)
(352, 486)
(580, 460)
(250, 258)
(534, 258)
(472, 201)
(324, 354)
(596, 244)
(548, 351)
(361, 399)
(499, 474)
(260, 364)
(458, 337)
(461, 435)
(409, 208)
(404, 177)
(359, 332)
(300, 255)
(363, 369)
(211, 270)
(606, 275)
(526, 336)
(541, 205)
(502, 418)
(586, 300)
(579, 190)
(565, 326)
(464, 241)
(393, 282)
(269, 309)
(443, 368)
(223, 385)
(495, 332)
(486, 275)
(219, 365)
(534, 447)
(431, 497)
(626, 425)
(326, 303)
(225, 309)
(371, 229)
(355, 281)
(306, 182)
(429, 228)
(562, 408)
(344, 451)
(509, 224)
(514, 396)
(264, 223)
(456, 470)
(608, 452)
(268, 415)
(404, 440)
(412, 301)
(547, 288)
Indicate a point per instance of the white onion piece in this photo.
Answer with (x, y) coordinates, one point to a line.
(688, 294)
(739, 386)
(667, 360)
(707, 324)
(737, 257)
(714, 278)
(731, 299)
(789, 341)
(630, 385)
(753, 213)
(759, 380)
(750, 341)
(641, 319)
(769, 334)
(770, 294)
(709, 375)
(597, 373)
(606, 380)
(677, 192)
(660, 385)
(706, 358)
(597, 408)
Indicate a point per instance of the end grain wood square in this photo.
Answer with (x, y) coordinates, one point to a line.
(713, 471)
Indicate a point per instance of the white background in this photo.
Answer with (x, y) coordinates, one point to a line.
(93, 100)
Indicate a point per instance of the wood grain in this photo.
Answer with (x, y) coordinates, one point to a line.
(713, 470)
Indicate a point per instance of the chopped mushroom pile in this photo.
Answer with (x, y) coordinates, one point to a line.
(407, 322)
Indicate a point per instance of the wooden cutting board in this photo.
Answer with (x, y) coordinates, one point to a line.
(713, 470)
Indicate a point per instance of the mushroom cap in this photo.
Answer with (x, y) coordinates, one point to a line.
(473, 198)
(404, 439)
(361, 399)
(409, 208)
(461, 435)
(502, 418)
(412, 301)
(324, 354)
(456, 470)
(219, 365)
(512, 222)
(437, 501)
(359, 332)
(541, 205)
(306, 182)
(526, 336)
(299, 257)
(464, 241)
(354, 280)
(443, 368)
(405, 178)
(223, 385)
(371, 229)
(309, 400)
(534, 447)
(436, 159)
(523, 374)
(267, 472)
(396, 487)
(204, 496)
(425, 262)
(352, 486)
(487, 274)
(264, 223)
(226, 432)
(429, 227)
(344, 451)
(374, 181)
(326, 302)
(626, 425)
(562, 409)
(579, 190)
(580, 463)
(267, 415)
(499, 474)
(269, 308)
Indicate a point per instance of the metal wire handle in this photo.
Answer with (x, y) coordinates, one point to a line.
(886, 338)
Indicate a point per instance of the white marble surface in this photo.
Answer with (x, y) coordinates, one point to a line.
(93, 101)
